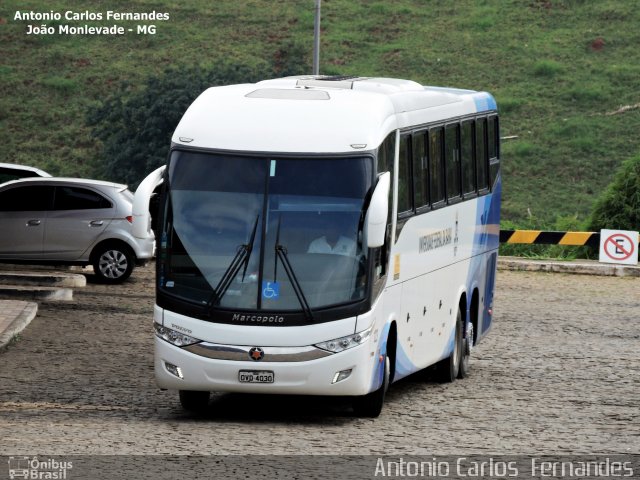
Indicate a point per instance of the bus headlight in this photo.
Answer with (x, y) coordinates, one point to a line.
(344, 343)
(175, 338)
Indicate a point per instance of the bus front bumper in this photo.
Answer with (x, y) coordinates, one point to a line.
(179, 369)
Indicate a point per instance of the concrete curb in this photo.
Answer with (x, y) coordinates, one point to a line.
(14, 317)
(579, 267)
(36, 293)
(43, 279)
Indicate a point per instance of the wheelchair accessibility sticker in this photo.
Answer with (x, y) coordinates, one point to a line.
(270, 290)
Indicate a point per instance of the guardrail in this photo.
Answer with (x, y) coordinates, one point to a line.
(545, 237)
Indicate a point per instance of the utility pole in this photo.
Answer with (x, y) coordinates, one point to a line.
(316, 40)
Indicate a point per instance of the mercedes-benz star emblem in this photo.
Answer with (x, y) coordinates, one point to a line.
(256, 354)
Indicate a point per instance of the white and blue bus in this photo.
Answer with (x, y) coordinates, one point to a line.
(326, 236)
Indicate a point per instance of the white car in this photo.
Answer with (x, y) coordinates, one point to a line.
(12, 171)
(72, 221)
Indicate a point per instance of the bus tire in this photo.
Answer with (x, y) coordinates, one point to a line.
(465, 354)
(370, 405)
(194, 401)
(447, 370)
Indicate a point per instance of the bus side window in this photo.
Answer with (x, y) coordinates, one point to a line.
(436, 167)
(420, 170)
(468, 164)
(386, 153)
(452, 161)
(492, 144)
(491, 137)
(404, 176)
(481, 154)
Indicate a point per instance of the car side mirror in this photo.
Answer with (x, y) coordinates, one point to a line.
(376, 218)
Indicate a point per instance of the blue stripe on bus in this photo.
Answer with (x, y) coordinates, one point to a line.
(404, 365)
(484, 102)
(485, 240)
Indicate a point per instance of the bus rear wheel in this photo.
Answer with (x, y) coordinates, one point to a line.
(194, 401)
(370, 405)
(447, 370)
(465, 355)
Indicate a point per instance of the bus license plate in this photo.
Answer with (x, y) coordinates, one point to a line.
(256, 376)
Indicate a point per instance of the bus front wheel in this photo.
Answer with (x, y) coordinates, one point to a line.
(370, 405)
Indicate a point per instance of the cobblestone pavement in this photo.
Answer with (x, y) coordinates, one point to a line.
(559, 373)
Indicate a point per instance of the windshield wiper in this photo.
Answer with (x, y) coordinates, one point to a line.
(242, 257)
(249, 248)
(281, 253)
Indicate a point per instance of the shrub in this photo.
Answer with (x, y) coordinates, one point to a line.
(61, 84)
(547, 68)
(618, 207)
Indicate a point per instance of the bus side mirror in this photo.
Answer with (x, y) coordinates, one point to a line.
(141, 221)
(376, 219)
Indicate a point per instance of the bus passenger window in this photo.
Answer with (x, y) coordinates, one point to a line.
(492, 141)
(404, 176)
(420, 170)
(436, 168)
(386, 154)
(481, 154)
(468, 164)
(452, 161)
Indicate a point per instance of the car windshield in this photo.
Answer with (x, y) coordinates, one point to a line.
(265, 233)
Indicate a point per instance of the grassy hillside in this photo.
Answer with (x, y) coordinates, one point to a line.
(558, 69)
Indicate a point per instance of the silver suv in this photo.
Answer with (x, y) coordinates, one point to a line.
(71, 221)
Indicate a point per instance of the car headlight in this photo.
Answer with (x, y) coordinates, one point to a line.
(344, 343)
(178, 339)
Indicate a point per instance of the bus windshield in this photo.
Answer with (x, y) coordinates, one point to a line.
(265, 233)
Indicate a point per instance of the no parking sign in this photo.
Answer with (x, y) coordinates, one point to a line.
(619, 246)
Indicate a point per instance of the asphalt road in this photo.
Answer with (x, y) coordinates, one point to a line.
(558, 374)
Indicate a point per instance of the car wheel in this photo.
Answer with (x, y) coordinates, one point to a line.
(370, 405)
(447, 370)
(194, 401)
(113, 263)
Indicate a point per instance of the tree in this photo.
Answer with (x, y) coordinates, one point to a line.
(618, 207)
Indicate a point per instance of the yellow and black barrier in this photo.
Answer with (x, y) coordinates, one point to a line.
(541, 237)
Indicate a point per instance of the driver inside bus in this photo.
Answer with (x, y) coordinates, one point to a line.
(335, 239)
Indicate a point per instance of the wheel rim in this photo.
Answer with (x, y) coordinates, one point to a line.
(387, 373)
(113, 264)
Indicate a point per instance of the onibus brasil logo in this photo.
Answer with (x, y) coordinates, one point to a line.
(50, 469)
